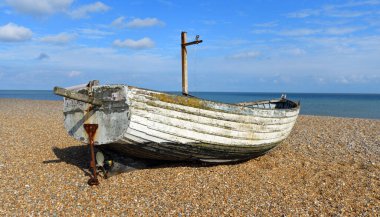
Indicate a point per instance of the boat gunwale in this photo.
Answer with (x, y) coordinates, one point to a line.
(222, 111)
(218, 103)
(297, 107)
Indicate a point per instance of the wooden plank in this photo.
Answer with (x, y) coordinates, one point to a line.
(134, 138)
(143, 134)
(262, 117)
(76, 96)
(207, 129)
(211, 121)
(158, 134)
(203, 137)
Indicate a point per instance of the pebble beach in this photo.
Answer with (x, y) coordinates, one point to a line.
(327, 166)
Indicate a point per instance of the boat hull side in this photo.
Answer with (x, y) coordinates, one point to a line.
(190, 151)
(154, 125)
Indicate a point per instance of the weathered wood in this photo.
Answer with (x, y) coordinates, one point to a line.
(208, 121)
(77, 87)
(255, 102)
(192, 131)
(256, 115)
(193, 42)
(82, 86)
(77, 96)
(144, 117)
(164, 126)
(185, 90)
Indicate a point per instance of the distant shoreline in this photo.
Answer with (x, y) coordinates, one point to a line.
(244, 92)
(60, 99)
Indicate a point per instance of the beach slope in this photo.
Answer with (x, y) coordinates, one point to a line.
(326, 166)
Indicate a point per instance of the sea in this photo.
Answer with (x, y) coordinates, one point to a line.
(322, 104)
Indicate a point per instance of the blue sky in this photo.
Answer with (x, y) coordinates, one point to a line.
(250, 46)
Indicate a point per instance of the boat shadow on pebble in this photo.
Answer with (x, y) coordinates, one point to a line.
(79, 156)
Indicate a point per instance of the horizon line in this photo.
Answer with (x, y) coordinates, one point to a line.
(202, 91)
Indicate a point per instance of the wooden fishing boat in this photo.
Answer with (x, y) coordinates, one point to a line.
(155, 125)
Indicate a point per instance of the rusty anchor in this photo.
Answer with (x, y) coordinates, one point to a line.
(91, 130)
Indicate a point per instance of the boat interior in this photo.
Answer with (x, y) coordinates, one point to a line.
(271, 104)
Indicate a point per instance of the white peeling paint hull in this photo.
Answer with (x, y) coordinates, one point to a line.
(150, 124)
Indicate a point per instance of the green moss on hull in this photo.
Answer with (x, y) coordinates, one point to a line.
(180, 100)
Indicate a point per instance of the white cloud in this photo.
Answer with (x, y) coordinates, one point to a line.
(246, 55)
(295, 51)
(339, 10)
(147, 22)
(85, 10)
(267, 24)
(118, 22)
(352, 45)
(299, 32)
(14, 33)
(73, 74)
(341, 31)
(137, 22)
(94, 33)
(263, 31)
(308, 31)
(96, 60)
(135, 44)
(209, 22)
(360, 78)
(39, 7)
(304, 13)
(347, 13)
(61, 38)
(356, 3)
(318, 61)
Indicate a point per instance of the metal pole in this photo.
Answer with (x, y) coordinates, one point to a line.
(184, 64)
(91, 130)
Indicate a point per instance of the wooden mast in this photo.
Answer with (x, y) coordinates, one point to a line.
(185, 90)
